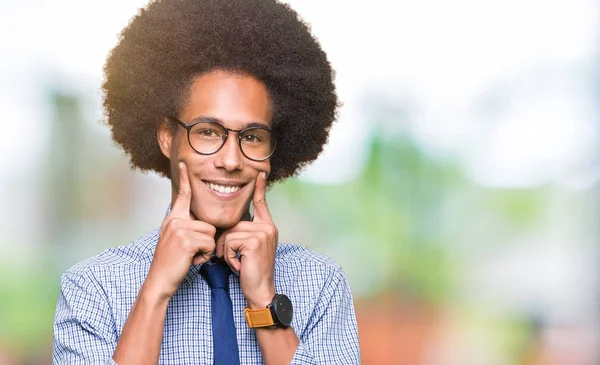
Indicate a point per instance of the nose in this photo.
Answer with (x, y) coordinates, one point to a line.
(229, 156)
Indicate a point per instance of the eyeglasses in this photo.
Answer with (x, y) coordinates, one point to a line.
(207, 137)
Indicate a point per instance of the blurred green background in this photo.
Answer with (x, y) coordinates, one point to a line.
(460, 189)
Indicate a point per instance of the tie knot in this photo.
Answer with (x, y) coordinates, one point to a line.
(216, 275)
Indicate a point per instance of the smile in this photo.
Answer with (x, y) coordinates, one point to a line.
(224, 189)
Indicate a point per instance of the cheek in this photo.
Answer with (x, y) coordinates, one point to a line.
(181, 151)
(266, 167)
(179, 145)
(262, 168)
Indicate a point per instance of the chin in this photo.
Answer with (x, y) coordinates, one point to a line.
(225, 223)
(221, 220)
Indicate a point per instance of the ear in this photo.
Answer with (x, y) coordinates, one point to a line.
(164, 134)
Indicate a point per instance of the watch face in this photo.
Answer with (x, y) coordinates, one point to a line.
(283, 309)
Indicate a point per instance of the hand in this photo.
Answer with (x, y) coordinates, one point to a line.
(256, 242)
(183, 241)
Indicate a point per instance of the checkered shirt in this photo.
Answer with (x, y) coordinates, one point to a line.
(97, 294)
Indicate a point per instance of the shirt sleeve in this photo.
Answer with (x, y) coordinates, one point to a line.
(331, 336)
(83, 331)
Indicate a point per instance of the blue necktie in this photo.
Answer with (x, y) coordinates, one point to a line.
(224, 340)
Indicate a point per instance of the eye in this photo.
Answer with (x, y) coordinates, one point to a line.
(252, 138)
(208, 132)
(256, 136)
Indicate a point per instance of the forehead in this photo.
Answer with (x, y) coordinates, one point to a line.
(234, 99)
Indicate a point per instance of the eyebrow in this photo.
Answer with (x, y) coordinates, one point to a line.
(219, 121)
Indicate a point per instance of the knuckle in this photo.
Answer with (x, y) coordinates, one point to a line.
(209, 252)
(207, 244)
(229, 243)
(179, 233)
(174, 223)
(263, 235)
(271, 230)
(212, 230)
(191, 249)
(206, 228)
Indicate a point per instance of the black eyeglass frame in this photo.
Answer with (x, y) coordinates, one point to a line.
(188, 127)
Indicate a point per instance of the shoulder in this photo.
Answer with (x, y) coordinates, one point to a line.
(140, 251)
(304, 260)
(288, 252)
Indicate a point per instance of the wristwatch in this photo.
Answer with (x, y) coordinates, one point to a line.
(278, 313)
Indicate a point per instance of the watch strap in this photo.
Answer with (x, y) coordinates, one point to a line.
(258, 317)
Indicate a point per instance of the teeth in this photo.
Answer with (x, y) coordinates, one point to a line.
(223, 189)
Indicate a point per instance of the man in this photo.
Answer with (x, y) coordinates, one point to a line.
(224, 98)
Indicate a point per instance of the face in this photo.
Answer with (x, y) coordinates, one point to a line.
(236, 102)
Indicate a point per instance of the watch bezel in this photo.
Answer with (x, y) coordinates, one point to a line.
(278, 301)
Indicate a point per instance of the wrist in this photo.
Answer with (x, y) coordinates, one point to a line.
(261, 300)
(153, 293)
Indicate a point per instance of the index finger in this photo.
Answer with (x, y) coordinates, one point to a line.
(261, 211)
(181, 205)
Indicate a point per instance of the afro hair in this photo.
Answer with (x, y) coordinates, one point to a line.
(149, 72)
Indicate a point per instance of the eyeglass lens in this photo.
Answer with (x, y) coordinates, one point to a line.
(207, 138)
